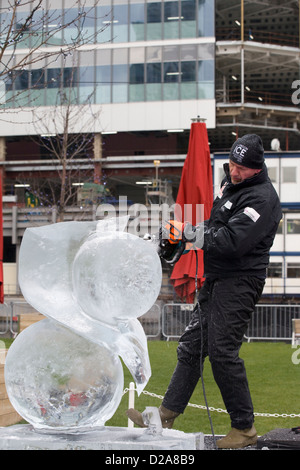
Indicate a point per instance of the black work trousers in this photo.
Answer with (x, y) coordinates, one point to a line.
(219, 322)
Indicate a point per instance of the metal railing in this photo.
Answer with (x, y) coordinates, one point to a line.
(5, 319)
(272, 322)
(9, 316)
(168, 321)
(175, 318)
(151, 322)
(268, 323)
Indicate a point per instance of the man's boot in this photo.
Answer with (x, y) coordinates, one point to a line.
(136, 417)
(167, 417)
(238, 438)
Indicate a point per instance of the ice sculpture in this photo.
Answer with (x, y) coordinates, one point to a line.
(92, 280)
(58, 379)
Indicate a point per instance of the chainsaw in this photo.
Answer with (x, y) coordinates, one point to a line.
(174, 239)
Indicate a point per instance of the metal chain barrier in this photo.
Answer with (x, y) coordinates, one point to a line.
(211, 408)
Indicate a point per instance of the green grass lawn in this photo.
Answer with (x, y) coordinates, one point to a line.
(274, 382)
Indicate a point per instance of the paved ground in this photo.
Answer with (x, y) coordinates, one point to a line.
(209, 443)
(277, 439)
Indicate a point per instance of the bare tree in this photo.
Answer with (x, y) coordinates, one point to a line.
(64, 129)
(29, 25)
(65, 133)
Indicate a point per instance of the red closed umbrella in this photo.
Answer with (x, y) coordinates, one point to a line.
(195, 198)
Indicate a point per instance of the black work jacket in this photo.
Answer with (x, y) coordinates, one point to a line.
(241, 228)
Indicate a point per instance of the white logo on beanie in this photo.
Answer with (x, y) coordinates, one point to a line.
(239, 152)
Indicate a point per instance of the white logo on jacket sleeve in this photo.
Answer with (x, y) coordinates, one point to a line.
(250, 212)
(228, 205)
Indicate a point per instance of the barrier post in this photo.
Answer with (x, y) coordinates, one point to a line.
(131, 402)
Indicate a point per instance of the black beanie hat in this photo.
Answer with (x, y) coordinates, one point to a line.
(248, 151)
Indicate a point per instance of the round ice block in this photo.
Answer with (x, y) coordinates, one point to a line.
(57, 380)
(116, 276)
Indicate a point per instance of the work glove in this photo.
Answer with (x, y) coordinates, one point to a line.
(177, 238)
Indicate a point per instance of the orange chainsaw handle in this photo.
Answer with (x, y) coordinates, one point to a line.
(174, 229)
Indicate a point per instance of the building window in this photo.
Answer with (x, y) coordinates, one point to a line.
(70, 77)
(57, 36)
(188, 10)
(103, 76)
(104, 23)
(119, 83)
(188, 71)
(136, 87)
(293, 269)
(20, 80)
(88, 24)
(136, 74)
(86, 84)
(272, 172)
(153, 74)
(71, 32)
(274, 270)
(293, 226)
(171, 72)
(289, 174)
(120, 76)
(206, 79)
(137, 22)
(154, 20)
(171, 81)
(120, 23)
(206, 18)
(188, 87)
(103, 79)
(188, 18)
(154, 12)
(171, 20)
(53, 78)
(37, 79)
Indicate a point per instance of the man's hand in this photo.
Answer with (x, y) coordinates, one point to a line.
(176, 238)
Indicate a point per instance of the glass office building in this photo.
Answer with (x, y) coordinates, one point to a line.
(135, 51)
